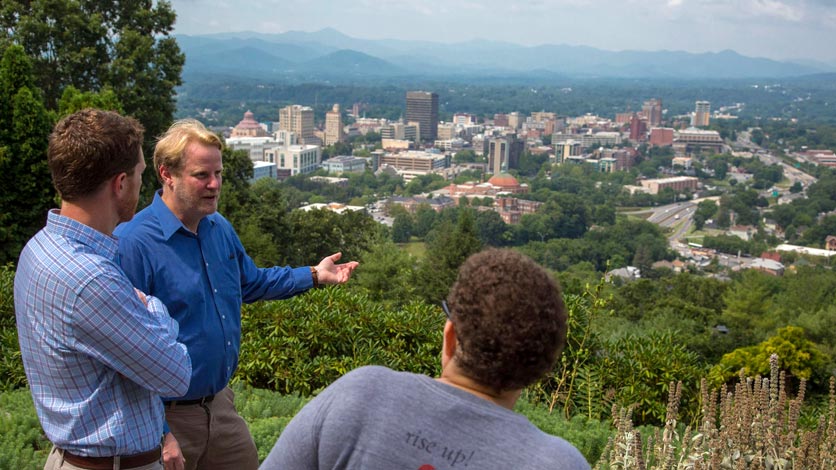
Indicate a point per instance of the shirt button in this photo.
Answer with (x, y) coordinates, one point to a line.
(223, 317)
(216, 290)
(229, 343)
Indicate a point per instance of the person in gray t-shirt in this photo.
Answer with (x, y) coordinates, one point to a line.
(506, 327)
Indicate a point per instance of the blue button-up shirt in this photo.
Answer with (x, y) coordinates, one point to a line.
(97, 358)
(202, 278)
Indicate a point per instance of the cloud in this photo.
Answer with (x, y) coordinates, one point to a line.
(777, 9)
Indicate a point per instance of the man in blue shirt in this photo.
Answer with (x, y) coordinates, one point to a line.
(182, 251)
(97, 353)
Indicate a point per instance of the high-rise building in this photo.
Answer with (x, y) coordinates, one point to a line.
(422, 107)
(702, 114)
(661, 136)
(504, 153)
(333, 126)
(446, 131)
(515, 120)
(652, 110)
(299, 120)
(638, 128)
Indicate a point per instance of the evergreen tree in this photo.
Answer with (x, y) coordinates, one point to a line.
(24, 174)
(447, 249)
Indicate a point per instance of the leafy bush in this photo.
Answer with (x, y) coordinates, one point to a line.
(303, 344)
(800, 357)
(588, 435)
(635, 371)
(11, 366)
(23, 444)
(266, 413)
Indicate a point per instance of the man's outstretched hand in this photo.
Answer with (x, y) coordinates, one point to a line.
(329, 272)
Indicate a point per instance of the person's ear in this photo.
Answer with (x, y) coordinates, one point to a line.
(165, 175)
(448, 347)
(118, 183)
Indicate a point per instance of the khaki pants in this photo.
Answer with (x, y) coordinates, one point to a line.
(213, 436)
(55, 461)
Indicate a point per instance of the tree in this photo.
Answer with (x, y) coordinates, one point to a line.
(447, 249)
(402, 227)
(705, 210)
(799, 356)
(95, 45)
(24, 174)
(264, 227)
(318, 233)
(493, 230)
(386, 273)
(73, 100)
(235, 195)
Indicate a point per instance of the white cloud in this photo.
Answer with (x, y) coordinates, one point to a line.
(777, 9)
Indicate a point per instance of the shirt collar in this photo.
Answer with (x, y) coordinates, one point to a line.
(101, 244)
(169, 223)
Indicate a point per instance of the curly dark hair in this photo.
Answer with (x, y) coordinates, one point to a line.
(91, 146)
(509, 318)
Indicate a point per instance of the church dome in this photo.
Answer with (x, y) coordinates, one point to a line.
(504, 180)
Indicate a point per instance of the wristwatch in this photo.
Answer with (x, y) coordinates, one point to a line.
(315, 277)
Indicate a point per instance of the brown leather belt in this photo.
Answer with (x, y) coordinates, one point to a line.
(106, 463)
(196, 401)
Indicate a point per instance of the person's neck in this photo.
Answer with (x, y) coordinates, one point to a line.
(505, 399)
(170, 202)
(92, 213)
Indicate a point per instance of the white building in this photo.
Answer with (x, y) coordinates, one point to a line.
(344, 164)
(263, 170)
(292, 160)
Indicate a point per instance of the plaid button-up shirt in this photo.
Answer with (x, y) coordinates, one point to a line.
(96, 357)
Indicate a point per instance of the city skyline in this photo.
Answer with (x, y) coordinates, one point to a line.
(801, 30)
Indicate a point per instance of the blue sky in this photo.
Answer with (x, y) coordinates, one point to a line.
(776, 29)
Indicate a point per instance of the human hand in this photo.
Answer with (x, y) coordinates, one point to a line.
(329, 272)
(141, 296)
(172, 456)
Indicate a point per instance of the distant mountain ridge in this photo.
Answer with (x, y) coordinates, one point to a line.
(331, 55)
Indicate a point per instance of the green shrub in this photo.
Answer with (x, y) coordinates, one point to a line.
(588, 435)
(23, 444)
(266, 413)
(303, 344)
(11, 366)
(800, 357)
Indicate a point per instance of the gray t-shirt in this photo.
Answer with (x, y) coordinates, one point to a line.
(374, 418)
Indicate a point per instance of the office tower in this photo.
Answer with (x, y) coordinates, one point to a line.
(702, 114)
(638, 128)
(333, 126)
(299, 120)
(504, 153)
(422, 107)
(500, 120)
(515, 120)
(652, 110)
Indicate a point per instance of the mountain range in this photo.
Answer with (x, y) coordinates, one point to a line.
(333, 56)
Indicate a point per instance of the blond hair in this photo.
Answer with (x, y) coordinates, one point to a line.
(171, 145)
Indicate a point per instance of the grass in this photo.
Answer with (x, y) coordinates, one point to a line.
(416, 248)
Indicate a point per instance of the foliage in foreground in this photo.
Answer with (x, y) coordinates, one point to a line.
(24, 446)
(756, 426)
(303, 344)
